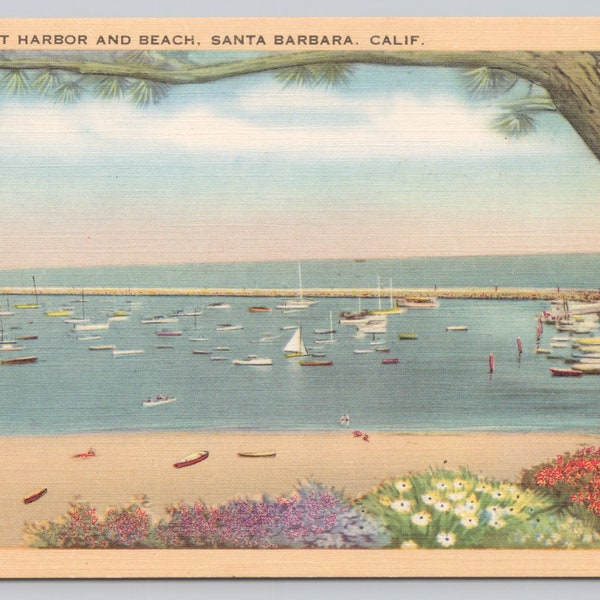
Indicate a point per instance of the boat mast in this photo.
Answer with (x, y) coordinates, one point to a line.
(35, 291)
(379, 290)
(300, 279)
(391, 295)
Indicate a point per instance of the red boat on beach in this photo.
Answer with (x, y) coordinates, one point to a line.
(192, 459)
(556, 372)
(35, 496)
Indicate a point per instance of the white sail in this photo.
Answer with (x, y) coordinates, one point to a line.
(296, 347)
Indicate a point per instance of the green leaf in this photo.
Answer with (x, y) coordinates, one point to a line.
(15, 82)
(112, 88)
(327, 75)
(295, 76)
(486, 81)
(143, 93)
(69, 92)
(514, 124)
(47, 82)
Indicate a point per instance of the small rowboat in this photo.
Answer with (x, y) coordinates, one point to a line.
(191, 459)
(35, 496)
(565, 373)
(457, 328)
(21, 360)
(259, 309)
(158, 401)
(390, 361)
(260, 454)
(316, 363)
(407, 336)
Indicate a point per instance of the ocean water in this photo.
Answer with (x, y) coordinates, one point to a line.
(441, 382)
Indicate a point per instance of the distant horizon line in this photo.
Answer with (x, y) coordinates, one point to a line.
(302, 260)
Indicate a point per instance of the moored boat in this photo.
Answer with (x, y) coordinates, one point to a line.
(259, 309)
(103, 347)
(253, 360)
(316, 363)
(556, 372)
(295, 347)
(407, 336)
(158, 401)
(159, 319)
(123, 353)
(418, 302)
(229, 327)
(191, 459)
(20, 360)
(390, 361)
(457, 328)
(91, 326)
(168, 333)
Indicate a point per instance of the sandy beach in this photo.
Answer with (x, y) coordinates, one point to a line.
(130, 465)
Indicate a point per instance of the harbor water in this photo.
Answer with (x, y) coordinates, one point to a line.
(441, 381)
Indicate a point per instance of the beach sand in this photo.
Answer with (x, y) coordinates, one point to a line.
(131, 465)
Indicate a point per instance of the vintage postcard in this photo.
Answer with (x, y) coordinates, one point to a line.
(300, 297)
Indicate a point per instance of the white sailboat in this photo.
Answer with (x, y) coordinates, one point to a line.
(300, 302)
(295, 347)
(392, 310)
(82, 319)
(30, 305)
(330, 331)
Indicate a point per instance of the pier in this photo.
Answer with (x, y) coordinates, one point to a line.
(477, 293)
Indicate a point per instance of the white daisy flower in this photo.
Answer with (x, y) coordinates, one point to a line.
(494, 510)
(441, 506)
(421, 519)
(403, 485)
(401, 506)
(445, 539)
(497, 494)
(441, 485)
(469, 521)
(428, 499)
(497, 523)
(458, 484)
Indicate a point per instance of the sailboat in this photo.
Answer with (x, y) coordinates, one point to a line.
(30, 305)
(300, 302)
(82, 319)
(392, 310)
(330, 331)
(7, 345)
(7, 312)
(295, 347)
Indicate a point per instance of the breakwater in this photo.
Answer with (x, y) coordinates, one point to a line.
(478, 293)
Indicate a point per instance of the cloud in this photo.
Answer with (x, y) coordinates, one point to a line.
(306, 124)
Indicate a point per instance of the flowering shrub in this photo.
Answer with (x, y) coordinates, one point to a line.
(313, 516)
(84, 527)
(573, 480)
(444, 509)
(555, 530)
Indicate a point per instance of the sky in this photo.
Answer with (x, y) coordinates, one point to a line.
(400, 162)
